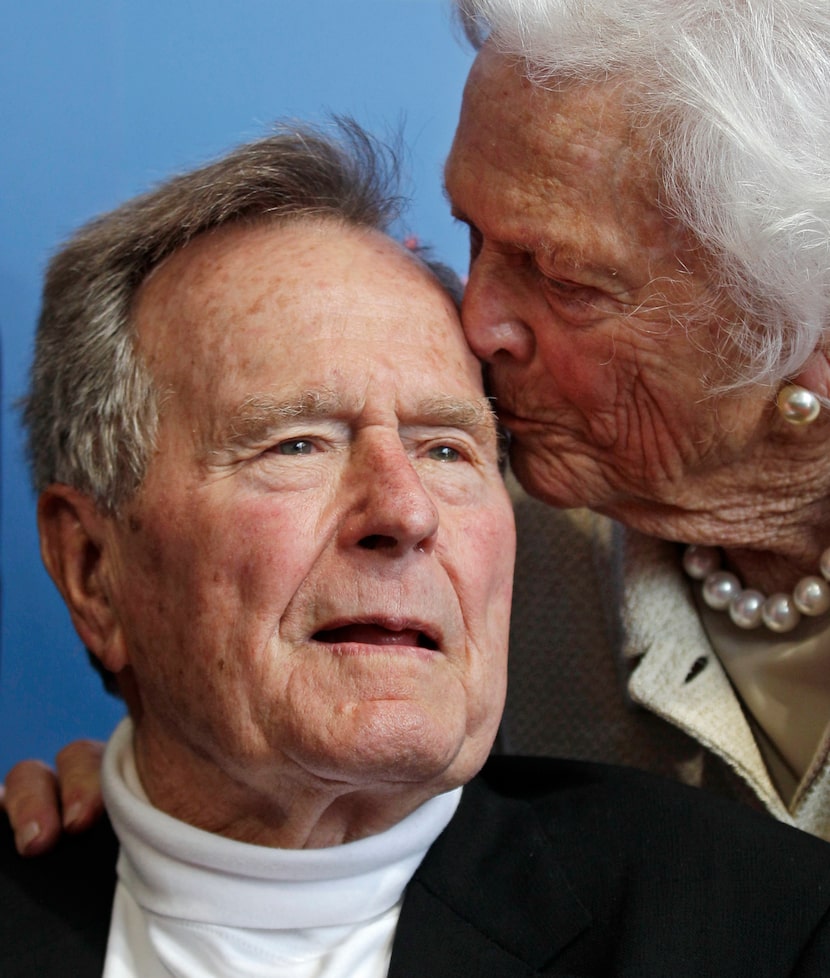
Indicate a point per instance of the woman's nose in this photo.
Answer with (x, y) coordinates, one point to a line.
(491, 316)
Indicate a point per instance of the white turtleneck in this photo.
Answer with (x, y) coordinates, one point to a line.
(197, 905)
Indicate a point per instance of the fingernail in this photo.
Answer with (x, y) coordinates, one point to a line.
(26, 836)
(72, 814)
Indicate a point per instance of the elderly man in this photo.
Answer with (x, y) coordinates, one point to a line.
(271, 498)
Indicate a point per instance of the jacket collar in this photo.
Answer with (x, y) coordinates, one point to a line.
(679, 677)
(467, 911)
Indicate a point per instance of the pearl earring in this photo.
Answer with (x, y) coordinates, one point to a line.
(797, 405)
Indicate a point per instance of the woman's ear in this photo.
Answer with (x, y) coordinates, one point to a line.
(815, 374)
(76, 544)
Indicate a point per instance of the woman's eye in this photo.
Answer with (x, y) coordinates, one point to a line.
(583, 303)
(475, 242)
(295, 446)
(444, 453)
(568, 290)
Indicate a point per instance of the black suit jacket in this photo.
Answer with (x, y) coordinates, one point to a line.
(548, 868)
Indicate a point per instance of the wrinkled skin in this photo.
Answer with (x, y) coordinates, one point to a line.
(603, 326)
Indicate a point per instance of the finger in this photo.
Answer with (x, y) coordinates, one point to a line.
(79, 779)
(33, 807)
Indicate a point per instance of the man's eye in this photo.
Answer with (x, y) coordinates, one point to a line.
(444, 453)
(295, 446)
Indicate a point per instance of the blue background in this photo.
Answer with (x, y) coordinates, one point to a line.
(99, 99)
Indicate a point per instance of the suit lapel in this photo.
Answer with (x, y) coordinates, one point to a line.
(489, 898)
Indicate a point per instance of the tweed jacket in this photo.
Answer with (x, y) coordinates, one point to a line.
(547, 868)
(609, 662)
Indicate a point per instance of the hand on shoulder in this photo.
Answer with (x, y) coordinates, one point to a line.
(42, 802)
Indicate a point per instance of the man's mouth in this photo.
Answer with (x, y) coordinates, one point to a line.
(371, 633)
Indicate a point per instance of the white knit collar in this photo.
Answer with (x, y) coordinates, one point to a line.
(174, 869)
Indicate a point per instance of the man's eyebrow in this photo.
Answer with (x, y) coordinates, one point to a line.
(457, 412)
(253, 420)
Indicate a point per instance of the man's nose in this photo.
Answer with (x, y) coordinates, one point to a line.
(491, 313)
(394, 512)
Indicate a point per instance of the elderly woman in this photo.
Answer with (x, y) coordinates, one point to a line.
(647, 188)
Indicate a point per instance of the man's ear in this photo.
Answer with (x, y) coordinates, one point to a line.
(75, 546)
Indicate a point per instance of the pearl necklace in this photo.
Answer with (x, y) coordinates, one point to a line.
(749, 608)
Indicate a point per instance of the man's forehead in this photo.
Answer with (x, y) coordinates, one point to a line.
(210, 267)
(360, 326)
(213, 266)
(286, 278)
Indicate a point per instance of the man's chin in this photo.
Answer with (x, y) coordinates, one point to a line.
(439, 765)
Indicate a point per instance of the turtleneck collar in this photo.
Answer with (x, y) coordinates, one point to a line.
(174, 868)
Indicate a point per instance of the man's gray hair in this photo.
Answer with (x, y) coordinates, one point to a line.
(92, 409)
(734, 95)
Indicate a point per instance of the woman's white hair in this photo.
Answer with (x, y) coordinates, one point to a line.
(736, 97)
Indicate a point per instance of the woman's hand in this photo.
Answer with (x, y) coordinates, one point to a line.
(42, 803)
